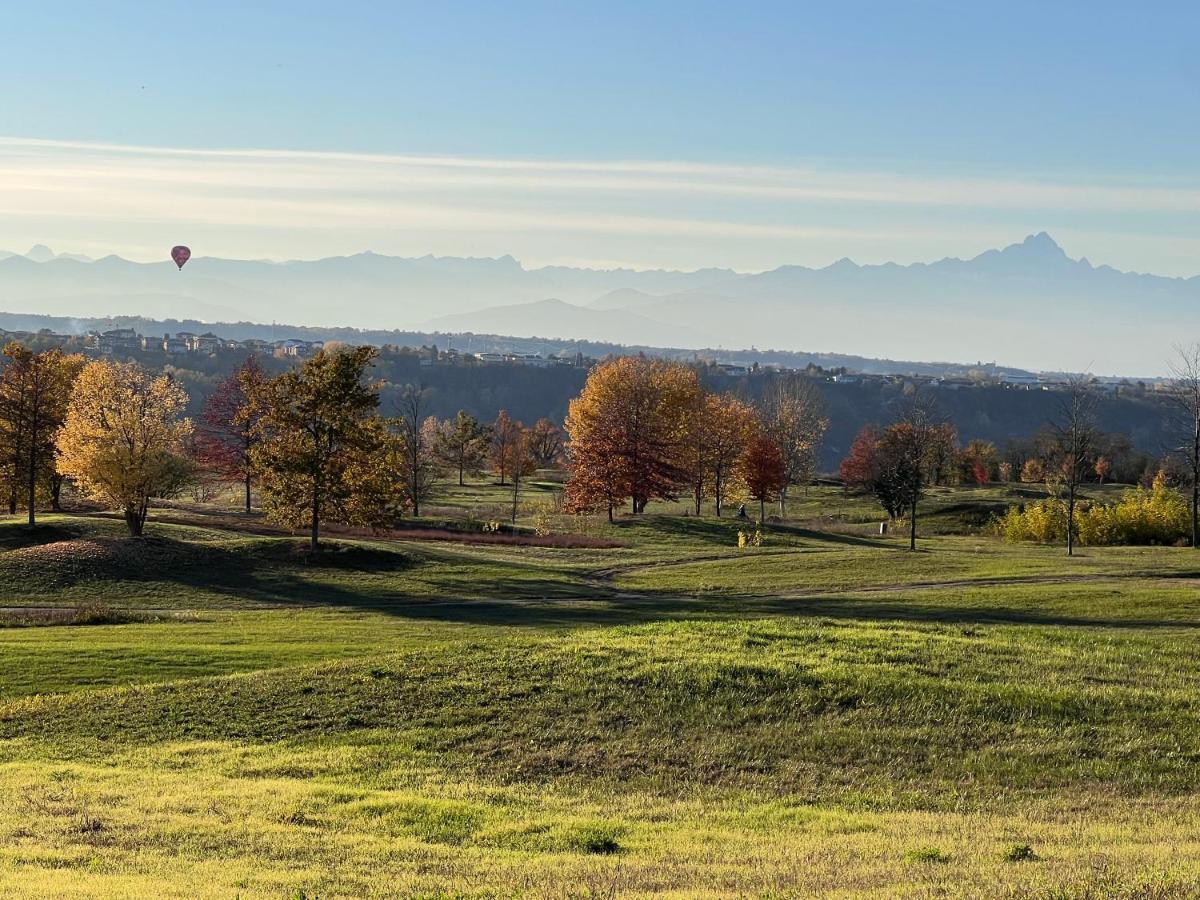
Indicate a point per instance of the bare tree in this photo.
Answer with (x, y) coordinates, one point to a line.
(419, 467)
(1185, 402)
(1074, 432)
(794, 416)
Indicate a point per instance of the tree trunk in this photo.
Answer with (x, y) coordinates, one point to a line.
(610, 513)
(56, 483)
(699, 496)
(762, 510)
(135, 520)
(1071, 520)
(718, 490)
(516, 487)
(460, 472)
(912, 524)
(33, 479)
(247, 494)
(1196, 485)
(314, 538)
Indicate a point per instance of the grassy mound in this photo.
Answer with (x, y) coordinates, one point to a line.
(908, 717)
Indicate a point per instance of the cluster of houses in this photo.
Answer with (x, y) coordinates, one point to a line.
(118, 341)
(126, 340)
(1019, 381)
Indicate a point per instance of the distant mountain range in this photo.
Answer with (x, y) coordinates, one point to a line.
(1028, 304)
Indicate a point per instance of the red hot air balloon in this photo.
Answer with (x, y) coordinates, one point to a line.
(181, 255)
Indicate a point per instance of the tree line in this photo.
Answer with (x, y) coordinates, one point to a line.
(647, 429)
(319, 447)
(311, 439)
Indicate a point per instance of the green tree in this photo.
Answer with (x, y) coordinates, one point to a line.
(318, 433)
(461, 444)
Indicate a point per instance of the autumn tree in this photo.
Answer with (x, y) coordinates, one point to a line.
(522, 462)
(980, 460)
(545, 443)
(504, 433)
(317, 440)
(763, 469)
(419, 464)
(228, 429)
(729, 425)
(896, 465)
(794, 416)
(123, 438)
(865, 470)
(1102, 468)
(461, 445)
(35, 391)
(1074, 434)
(627, 431)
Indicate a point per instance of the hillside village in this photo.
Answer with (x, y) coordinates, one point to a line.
(128, 341)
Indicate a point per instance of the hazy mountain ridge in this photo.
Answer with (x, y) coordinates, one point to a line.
(1061, 313)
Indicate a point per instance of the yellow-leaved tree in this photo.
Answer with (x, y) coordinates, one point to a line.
(123, 438)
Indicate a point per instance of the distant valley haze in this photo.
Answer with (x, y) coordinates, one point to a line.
(1026, 305)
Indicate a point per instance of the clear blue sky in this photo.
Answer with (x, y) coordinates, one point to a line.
(1074, 94)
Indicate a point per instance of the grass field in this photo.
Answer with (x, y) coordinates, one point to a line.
(208, 712)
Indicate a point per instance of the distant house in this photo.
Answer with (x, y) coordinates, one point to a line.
(956, 383)
(175, 344)
(118, 340)
(204, 343)
(847, 378)
(296, 347)
(1018, 380)
(732, 369)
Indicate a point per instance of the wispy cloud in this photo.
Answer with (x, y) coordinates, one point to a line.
(698, 213)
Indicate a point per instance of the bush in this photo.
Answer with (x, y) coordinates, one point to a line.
(1019, 853)
(927, 855)
(1155, 516)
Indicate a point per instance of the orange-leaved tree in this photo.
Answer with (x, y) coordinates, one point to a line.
(35, 389)
(763, 469)
(628, 431)
(729, 425)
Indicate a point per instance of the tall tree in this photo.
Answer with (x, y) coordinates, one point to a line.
(730, 425)
(35, 389)
(545, 443)
(228, 425)
(1074, 435)
(763, 470)
(123, 438)
(897, 464)
(1185, 402)
(317, 434)
(627, 431)
(504, 433)
(462, 445)
(418, 433)
(794, 416)
(523, 462)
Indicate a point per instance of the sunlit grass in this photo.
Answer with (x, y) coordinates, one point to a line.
(825, 715)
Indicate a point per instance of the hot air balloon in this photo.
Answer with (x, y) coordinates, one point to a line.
(181, 255)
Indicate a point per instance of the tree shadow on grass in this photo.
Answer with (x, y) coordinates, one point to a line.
(277, 573)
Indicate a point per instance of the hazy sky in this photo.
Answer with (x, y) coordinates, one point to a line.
(648, 134)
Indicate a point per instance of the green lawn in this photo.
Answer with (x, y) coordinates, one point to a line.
(827, 714)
